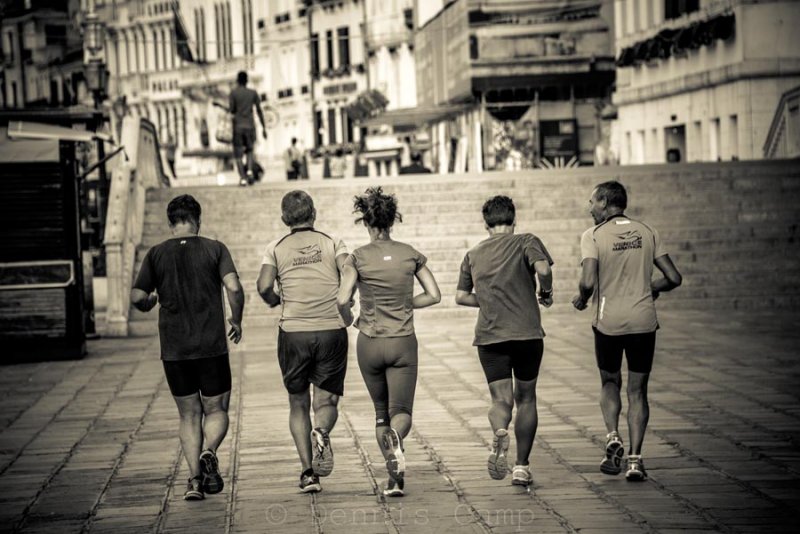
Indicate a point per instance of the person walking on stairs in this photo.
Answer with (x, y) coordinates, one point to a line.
(384, 271)
(498, 276)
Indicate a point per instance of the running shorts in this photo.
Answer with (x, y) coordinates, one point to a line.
(389, 368)
(318, 358)
(639, 350)
(518, 358)
(208, 376)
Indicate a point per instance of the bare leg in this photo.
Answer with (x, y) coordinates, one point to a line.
(502, 393)
(215, 422)
(527, 420)
(300, 425)
(610, 403)
(638, 410)
(190, 430)
(326, 410)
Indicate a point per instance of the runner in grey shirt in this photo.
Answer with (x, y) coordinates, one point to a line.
(498, 276)
(384, 271)
(618, 255)
(312, 338)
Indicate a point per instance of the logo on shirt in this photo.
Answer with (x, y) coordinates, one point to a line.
(628, 240)
(308, 255)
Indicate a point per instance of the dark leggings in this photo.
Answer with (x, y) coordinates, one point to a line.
(389, 368)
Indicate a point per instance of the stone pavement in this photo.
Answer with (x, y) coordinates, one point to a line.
(91, 445)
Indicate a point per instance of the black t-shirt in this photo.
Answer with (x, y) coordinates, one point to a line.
(187, 272)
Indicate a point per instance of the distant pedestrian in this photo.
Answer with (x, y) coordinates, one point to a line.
(338, 164)
(293, 160)
(384, 271)
(618, 255)
(498, 276)
(312, 338)
(186, 274)
(416, 166)
(240, 104)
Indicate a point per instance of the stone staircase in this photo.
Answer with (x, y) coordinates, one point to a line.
(731, 228)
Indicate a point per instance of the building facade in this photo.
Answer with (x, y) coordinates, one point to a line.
(338, 71)
(700, 80)
(41, 55)
(150, 79)
(532, 79)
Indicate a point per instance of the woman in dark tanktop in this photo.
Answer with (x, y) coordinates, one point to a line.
(384, 272)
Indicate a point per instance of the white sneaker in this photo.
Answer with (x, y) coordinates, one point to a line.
(498, 463)
(521, 475)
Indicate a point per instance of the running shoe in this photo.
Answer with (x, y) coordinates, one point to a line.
(394, 489)
(612, 462)
(636, 471)
(194, 489)
(393, 452)
(521, 475)
(322, 462)
(498, 464)
(209, 469)
(309, 482)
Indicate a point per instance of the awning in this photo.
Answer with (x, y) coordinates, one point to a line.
(37, 130)
(418, 116)
(27, 150)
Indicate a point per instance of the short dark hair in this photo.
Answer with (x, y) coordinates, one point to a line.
(184, 209)
(499, 210)
(241, 78)
(377, 209)
(297, 207)
(613, 193)
(416, 157)
(294, 140)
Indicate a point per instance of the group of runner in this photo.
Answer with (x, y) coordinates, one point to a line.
(313, 277)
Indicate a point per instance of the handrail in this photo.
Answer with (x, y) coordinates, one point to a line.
(125, 217)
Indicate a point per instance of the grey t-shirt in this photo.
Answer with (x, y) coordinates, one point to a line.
(625, 250)
(500, 270)
(309, 279)
(241, 102)
(386, 271)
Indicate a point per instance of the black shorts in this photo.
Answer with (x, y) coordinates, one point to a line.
(639, 350)
(243, 140)
(519, 358)
(208, 376)
(319, 358)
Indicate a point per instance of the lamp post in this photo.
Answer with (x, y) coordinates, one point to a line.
(94, 66)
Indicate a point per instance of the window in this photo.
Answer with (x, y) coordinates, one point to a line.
(332, 126)
(733, 137)
(347, 126)
(247, 24)
(165, 50)
(217, 20)
(155, 49)
(317, 129)
(315, 55)
(329, 43)
(676, 8)
(343, 34)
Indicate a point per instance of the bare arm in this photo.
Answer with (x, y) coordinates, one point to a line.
(265, 283)
(430, 288)
(672, 278)
(142, 301)
(260, 114)
(233, 288)
(545, 275)
(347, 286)
(465, 298)
(587, 284)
